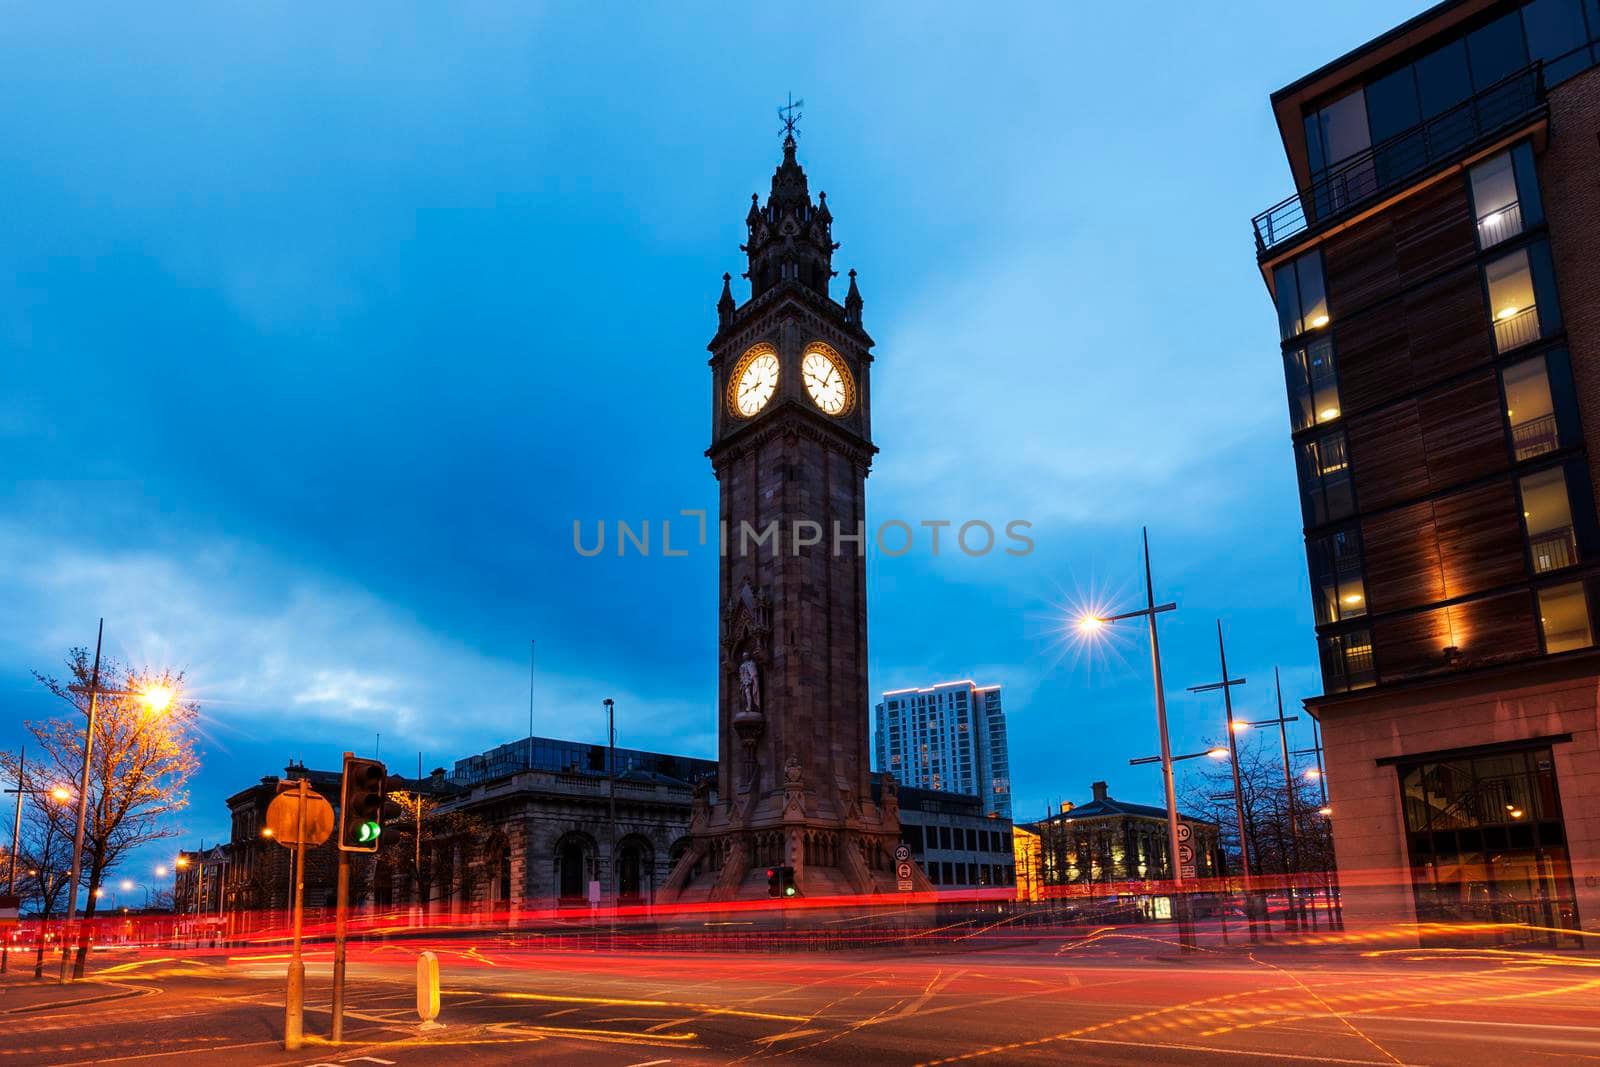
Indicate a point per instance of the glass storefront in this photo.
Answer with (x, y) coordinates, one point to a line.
(1487, 845)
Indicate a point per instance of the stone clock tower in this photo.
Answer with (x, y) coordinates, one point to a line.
(791, 444)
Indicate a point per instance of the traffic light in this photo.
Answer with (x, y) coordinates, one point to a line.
(361, 804)
(780, 882)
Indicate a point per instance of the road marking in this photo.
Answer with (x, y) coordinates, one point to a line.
(369, 1059)
(1225, 1051)
(789, 1036)
(649, 1063)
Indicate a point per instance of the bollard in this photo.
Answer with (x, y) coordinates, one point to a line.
(428, 990)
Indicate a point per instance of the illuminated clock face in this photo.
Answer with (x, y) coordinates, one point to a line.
(755, 379)
(828, 381)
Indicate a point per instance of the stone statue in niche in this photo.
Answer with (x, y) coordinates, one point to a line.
(750, 685)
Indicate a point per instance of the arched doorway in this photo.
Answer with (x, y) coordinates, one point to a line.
(635, 860)
(574, 853)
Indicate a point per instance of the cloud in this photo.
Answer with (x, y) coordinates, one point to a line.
(279, 653)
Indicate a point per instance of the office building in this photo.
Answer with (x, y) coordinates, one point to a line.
(1437, 282)
(950, 738)
(954, 840)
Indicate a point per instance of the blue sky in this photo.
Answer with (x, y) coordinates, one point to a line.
(319, 329)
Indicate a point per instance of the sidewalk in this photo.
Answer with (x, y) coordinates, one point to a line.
(20, 995)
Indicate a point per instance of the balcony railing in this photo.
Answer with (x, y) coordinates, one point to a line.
(1553, 550)
(1500, 224)
(1390, 163)
(1534, 437)
(1517, 329)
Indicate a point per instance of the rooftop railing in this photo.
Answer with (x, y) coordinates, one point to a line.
(1389, 164)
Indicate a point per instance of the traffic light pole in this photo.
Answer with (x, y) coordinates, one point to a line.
(340, 917)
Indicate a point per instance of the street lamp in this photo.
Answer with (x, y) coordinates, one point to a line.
(1092, 624)
(611, 802)
(1211, 753)
(156, 700)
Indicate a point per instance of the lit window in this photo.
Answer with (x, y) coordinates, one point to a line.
(1347, 661)
(1547, 517)
(1313, 383)
(1336, 577)
(1494, 198)
(1529, 409)
(1325, 489)
(1564, 618)
(1511, 301)
(1301, 296)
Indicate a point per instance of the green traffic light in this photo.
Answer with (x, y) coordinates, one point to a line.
(368, 832)
(788, 890)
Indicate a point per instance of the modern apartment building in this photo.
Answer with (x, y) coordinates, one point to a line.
(1437, 282)
(949, 737)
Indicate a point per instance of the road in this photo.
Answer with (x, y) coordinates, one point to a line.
(1105, 997)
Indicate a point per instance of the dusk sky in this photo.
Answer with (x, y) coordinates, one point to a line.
(320, 329)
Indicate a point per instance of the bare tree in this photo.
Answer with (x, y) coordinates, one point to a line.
(142, 761)
(440, 830)
(1281, 840)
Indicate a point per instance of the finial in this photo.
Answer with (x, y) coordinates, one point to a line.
(790, 117)
(726, 305)
(852, 301)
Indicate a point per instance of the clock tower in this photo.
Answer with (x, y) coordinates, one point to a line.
(791, 445)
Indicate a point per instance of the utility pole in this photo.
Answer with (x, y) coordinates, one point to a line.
(532, 647)
(422, 905)
(611, 802)
(83, 805)
(16, 840)
(292, 1012)
(1226, 685)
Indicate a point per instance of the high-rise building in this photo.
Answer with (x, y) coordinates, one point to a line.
(1437, 282)
(949, 737)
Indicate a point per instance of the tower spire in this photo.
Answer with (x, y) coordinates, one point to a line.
(790, 237)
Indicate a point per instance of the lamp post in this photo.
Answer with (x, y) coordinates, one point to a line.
(1226, 685)
(611, 805)
(1293, 859)
(156, 700)
(60, 794)
(1093, 624)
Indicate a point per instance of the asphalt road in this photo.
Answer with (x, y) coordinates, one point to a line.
(1113, 997)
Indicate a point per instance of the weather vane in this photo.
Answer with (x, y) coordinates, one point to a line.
(790, 116)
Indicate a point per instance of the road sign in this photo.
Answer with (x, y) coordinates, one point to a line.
(283, 818)
(1185, 832)
(902, 873)
(902, 853)
(1185, 854)
(1187, 870)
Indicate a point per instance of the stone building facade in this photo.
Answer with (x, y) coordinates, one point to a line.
(1113, 841)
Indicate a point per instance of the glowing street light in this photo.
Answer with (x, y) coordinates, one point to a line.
(161, 872)
(61, 793)
(1313, 774)
(1092, 624)
(1325, 810)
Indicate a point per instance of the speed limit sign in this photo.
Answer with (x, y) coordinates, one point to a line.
(1185, 832)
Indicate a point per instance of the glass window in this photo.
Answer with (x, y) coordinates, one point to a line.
(1547, 517)
(1336, 580)
(1442, 78)
(1392, 104)
(1556, 34)
(1347, 661)
(1564, 618)
(1325, 479)
(1529, 409)
(1511, 300)
(1343, 125)
(1494, 199)
(1302, 299)
(1313, 384)
(1496, 51)
(1486, 843)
